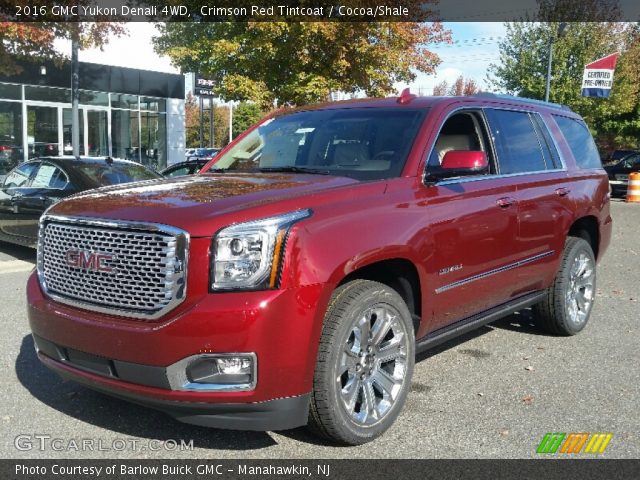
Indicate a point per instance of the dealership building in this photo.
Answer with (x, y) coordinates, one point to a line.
(124, 113)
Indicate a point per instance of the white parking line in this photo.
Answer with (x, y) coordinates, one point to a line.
(15, 266)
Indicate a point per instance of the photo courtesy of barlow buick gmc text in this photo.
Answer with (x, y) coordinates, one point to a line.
(318, 239)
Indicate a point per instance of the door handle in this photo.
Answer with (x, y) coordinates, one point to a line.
(561, 192)
(505, 202)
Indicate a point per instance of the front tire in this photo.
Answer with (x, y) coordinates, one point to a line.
(365, 363)
(569, 301)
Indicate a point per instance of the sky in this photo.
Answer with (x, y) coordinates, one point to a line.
(474, 47)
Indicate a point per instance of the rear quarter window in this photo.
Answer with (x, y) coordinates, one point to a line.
(580, 141)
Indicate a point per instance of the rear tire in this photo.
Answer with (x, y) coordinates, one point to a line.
(569, 301)
(365, 363)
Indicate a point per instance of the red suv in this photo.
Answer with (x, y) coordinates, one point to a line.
(295, 278)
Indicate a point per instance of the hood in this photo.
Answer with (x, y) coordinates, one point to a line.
(186, 202)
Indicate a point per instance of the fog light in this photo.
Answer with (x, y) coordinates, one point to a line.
(222, 370)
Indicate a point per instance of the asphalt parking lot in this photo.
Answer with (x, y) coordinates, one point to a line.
(491, 394)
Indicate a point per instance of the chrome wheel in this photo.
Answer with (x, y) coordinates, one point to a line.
(373, 364)
(579, 295)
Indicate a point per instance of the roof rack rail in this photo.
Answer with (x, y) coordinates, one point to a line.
(531, 101)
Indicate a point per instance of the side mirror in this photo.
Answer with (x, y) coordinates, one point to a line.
(459, 163)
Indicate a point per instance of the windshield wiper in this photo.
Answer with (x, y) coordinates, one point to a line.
(294, 169)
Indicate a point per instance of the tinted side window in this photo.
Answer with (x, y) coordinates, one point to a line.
(579, 139)
(632, 161)
(49, 176)
(19, 176)
(178, 172)
(517, 143)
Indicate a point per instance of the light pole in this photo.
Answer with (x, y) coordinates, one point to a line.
(75, 94)
(561, 29)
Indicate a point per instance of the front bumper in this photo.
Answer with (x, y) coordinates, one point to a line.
(619, 187)
(281, 327)
(278, 414)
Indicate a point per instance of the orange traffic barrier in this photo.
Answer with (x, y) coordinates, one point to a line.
(633, 190)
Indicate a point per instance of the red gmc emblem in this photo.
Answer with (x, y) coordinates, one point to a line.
(89, 260)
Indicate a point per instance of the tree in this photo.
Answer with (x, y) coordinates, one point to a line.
(245, 115)
(441, 89)
(192, 123)
(35, 40)
(459, 88)
(298, 63)
(523, 67)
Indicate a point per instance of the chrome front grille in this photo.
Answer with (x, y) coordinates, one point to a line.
(122, 268)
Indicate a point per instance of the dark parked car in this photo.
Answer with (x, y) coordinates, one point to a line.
(618, 155)
(204, 153)
(184, 168)
(31, 187)
(619, 173)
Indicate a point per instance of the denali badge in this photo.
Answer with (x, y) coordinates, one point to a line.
(452, 268)
(89, 260)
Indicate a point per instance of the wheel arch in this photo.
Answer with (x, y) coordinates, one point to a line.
(587, 228)
(400, 274)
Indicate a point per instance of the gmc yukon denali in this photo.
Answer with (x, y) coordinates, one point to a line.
(294, 279)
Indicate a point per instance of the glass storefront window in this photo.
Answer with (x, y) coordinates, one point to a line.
(10, 135)
(121, 100)
(126, 126)
(97, 133)
(94, 98)
(124, 134)
(42, 131)
(47, 94)
(67, 143)
(153, 104)
(11, 92)
(153, 140)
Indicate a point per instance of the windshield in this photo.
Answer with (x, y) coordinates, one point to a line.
(203, 152)
(103, 174)
(362, 143)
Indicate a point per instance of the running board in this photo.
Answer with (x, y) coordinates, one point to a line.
(475, 321)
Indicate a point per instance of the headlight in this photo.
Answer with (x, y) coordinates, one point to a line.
(249, 255)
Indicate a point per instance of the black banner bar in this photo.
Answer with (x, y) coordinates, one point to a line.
(582, 469)
(318, 10)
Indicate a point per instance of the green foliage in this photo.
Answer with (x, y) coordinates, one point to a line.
(299, 63)
(36, 40)
(245, 115)
(523, 67)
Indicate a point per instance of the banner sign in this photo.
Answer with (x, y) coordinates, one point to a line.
(598, 77)
(204, 87)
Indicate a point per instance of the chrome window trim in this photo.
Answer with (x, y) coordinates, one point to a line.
(177, 375)
(489, 273)
(554, 140)
(540, 140)
(457, 180)
(179, 292)
(493, 177)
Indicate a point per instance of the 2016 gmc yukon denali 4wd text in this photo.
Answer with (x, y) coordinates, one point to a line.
(293, 281)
